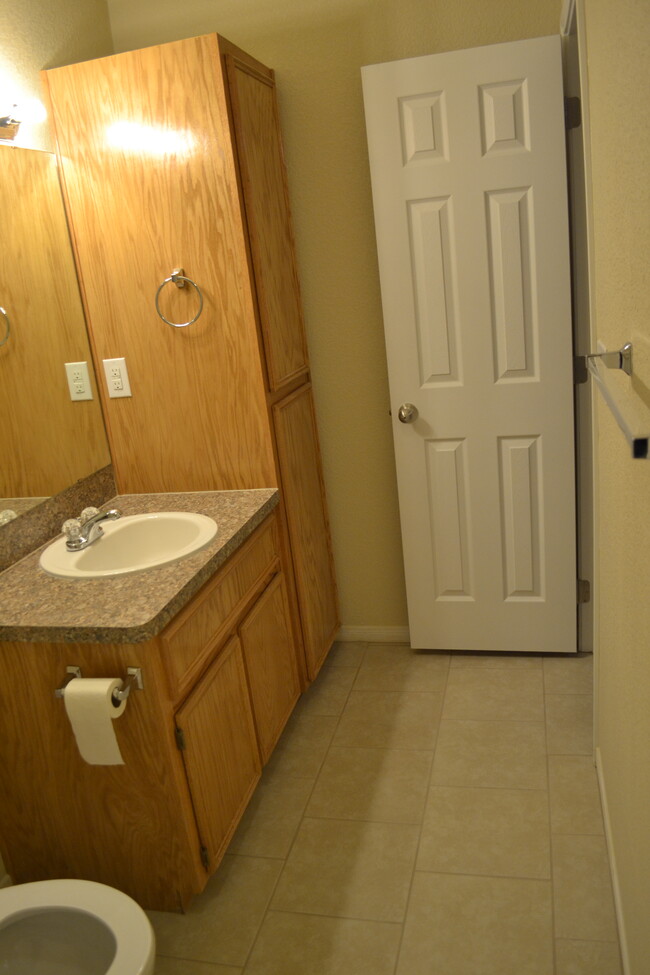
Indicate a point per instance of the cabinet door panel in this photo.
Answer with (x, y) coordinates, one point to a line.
(261, 164)
(299, 458)
(270, 658)
(221, 755)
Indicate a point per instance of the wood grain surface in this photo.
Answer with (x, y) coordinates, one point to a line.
(47, 442)
(270, 658)
(266, 200)
(149, 178)
(299, 458)
(130, 826)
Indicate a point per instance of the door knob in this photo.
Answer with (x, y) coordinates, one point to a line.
(407, 413)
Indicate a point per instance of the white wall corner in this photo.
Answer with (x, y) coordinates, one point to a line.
(616, 889)
(373, 634)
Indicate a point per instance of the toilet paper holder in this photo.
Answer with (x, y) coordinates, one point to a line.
(133, 679)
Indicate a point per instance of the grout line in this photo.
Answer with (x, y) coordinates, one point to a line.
(550, 830)
(302, 819)
(445, 682)
(486, 876)
(424, 811)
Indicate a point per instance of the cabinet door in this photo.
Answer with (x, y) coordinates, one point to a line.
(300, 467)
(220, 754)
(266, 201)
(270, 657)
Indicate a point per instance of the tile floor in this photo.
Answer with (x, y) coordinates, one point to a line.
(423, 814)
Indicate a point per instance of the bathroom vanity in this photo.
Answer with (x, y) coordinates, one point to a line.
(214, 639)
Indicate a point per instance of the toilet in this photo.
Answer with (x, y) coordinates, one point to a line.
(73, 927)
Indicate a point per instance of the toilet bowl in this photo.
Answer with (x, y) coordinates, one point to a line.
(73, 927)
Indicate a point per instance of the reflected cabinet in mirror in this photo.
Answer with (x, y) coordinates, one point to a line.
(47, 441)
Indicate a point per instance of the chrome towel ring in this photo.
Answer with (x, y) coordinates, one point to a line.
(179, 279)
(7, 327)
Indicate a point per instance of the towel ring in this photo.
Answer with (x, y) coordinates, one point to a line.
(179, 279)
(3, 312)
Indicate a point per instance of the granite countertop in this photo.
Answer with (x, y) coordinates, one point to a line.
(35, 606)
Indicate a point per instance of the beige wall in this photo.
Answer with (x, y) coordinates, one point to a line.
(37, 34)
(317, 49)
(618, 49)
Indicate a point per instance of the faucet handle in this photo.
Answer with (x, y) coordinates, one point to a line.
(87, 514)
(71, 528)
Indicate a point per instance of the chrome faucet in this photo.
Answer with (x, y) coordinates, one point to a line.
(90, 530)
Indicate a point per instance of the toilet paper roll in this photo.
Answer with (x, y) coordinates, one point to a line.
(90, 708)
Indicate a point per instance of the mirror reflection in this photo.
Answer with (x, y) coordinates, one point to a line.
(48, 440)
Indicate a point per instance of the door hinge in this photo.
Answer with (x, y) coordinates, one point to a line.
(572, 112)
(205, 857)
(580, 371)
(179, 735)
(584, 591)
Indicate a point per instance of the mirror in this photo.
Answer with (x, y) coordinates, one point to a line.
(47, 441)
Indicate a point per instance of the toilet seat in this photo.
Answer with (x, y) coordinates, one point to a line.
(119, 913)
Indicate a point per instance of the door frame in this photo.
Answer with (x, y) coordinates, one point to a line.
(584, 323)
(578, 177)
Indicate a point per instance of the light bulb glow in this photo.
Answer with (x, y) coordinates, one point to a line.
(150, 139)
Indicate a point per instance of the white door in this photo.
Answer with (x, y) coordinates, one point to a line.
(469, 184)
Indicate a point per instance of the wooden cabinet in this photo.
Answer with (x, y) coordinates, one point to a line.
(216, 732)
(272, 671)
(219, 684)
(171, 157)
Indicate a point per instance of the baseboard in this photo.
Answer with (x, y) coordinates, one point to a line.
(373, 634)
(616, 889)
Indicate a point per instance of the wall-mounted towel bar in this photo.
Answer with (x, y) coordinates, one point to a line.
(620, 359)
(627, 407)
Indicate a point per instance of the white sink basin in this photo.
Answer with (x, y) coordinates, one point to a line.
(132, 543)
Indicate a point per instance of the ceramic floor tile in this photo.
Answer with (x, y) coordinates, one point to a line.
(349, 869)
(346, 654)
(179, 966)
(469, 925)
(494, 832)
(299, 944)
(569, 724)
(380, 719)
(491, 661)
(574, 794)
(393, 667)
(329, 692)
(272, 817)
(303, 745)
(491, 754)
(372, 784)
(587, 958)
(222, 922)
(497, 694)
(569, 675)
(584, 906)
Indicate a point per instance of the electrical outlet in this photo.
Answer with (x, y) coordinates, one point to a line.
(78, 380)
(117, 378)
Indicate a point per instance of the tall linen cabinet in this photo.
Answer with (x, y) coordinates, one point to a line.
(170, 159)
